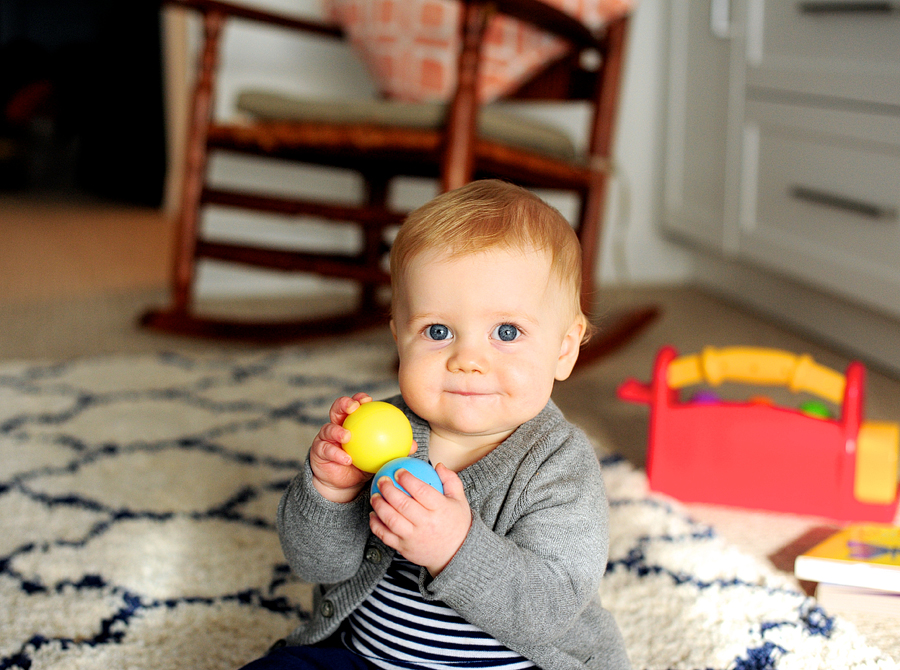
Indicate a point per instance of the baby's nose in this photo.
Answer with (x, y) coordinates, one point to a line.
(468, 357)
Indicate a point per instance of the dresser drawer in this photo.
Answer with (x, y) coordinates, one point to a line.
(848, 49)
(820, 199)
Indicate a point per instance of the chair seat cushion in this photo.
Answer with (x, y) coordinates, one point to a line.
(494, 124)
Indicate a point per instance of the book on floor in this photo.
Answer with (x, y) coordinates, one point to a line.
(861, 555)
(837, 599)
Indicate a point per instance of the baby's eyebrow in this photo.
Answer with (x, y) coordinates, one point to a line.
(502, 317)
(424, 318)
(494, 318)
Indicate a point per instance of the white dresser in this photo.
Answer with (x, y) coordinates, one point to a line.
(783, 159)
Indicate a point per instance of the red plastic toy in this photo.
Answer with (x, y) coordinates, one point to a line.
(760, 455)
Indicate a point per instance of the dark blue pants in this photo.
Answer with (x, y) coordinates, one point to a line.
(329, 654)
(308, 658)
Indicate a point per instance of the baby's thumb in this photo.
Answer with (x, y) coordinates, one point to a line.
(453, 485)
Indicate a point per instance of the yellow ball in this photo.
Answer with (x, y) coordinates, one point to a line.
(379, 432)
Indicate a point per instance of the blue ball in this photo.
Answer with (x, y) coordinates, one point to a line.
(417, 468)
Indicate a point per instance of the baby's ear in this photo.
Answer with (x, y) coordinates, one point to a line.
(394, 330)
(571, 346)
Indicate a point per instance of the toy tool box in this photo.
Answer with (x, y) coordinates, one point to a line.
(760, 455)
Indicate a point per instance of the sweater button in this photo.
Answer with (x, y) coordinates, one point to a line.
(327, 609)
(373, 555)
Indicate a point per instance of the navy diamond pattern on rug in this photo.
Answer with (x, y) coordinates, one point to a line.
(138, 495)
(137, 503)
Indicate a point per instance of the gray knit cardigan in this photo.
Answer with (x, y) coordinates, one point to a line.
(528, 571)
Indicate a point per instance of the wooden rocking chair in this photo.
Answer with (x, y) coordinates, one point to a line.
(454, 143)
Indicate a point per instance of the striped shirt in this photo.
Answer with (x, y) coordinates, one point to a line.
(395, 627)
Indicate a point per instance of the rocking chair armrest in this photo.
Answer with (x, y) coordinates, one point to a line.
(259, 15)
(549, 19)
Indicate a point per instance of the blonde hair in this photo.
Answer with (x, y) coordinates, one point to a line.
(492, 214)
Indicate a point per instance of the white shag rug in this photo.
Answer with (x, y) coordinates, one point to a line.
(137, 498)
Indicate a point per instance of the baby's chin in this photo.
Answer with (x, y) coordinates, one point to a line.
(476, 433)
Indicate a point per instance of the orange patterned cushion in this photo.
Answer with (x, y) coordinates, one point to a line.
(411, 46)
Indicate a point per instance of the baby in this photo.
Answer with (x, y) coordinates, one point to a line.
(502, 569)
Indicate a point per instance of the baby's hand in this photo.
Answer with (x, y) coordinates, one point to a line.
(427, 528)
(334, 474)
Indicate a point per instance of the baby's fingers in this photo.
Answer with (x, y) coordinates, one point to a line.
(382, 532)
(344, 407)
(333, 433)
(327, 445)
(391, 517)
(329, 452)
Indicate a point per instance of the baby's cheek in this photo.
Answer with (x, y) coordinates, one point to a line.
(524, 385)
(417, 394)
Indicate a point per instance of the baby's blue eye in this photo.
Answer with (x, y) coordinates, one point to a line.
(505, 332)
(438, 331)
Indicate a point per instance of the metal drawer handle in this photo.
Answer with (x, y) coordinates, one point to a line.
(820, 8)
(835, 201)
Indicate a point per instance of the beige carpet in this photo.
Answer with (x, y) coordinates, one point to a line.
(137, 497)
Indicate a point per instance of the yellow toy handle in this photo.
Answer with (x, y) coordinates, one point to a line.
(877, 451)
(751, 365)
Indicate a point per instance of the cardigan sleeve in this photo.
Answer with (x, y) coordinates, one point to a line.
(323, 541)
(531, 580)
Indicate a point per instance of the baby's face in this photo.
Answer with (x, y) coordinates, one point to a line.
(481, 340)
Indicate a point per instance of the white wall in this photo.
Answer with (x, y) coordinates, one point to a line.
(633, 249)
(636, 207)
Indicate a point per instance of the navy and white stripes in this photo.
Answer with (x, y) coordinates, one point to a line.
(397, 628)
